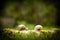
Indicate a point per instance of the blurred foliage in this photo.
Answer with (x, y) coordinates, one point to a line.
(32, 11)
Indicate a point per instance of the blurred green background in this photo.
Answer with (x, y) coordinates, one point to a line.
(29, 13)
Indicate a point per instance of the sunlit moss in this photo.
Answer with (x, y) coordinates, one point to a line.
(46, 34)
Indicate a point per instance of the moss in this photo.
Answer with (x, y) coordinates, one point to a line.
(45, 35)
